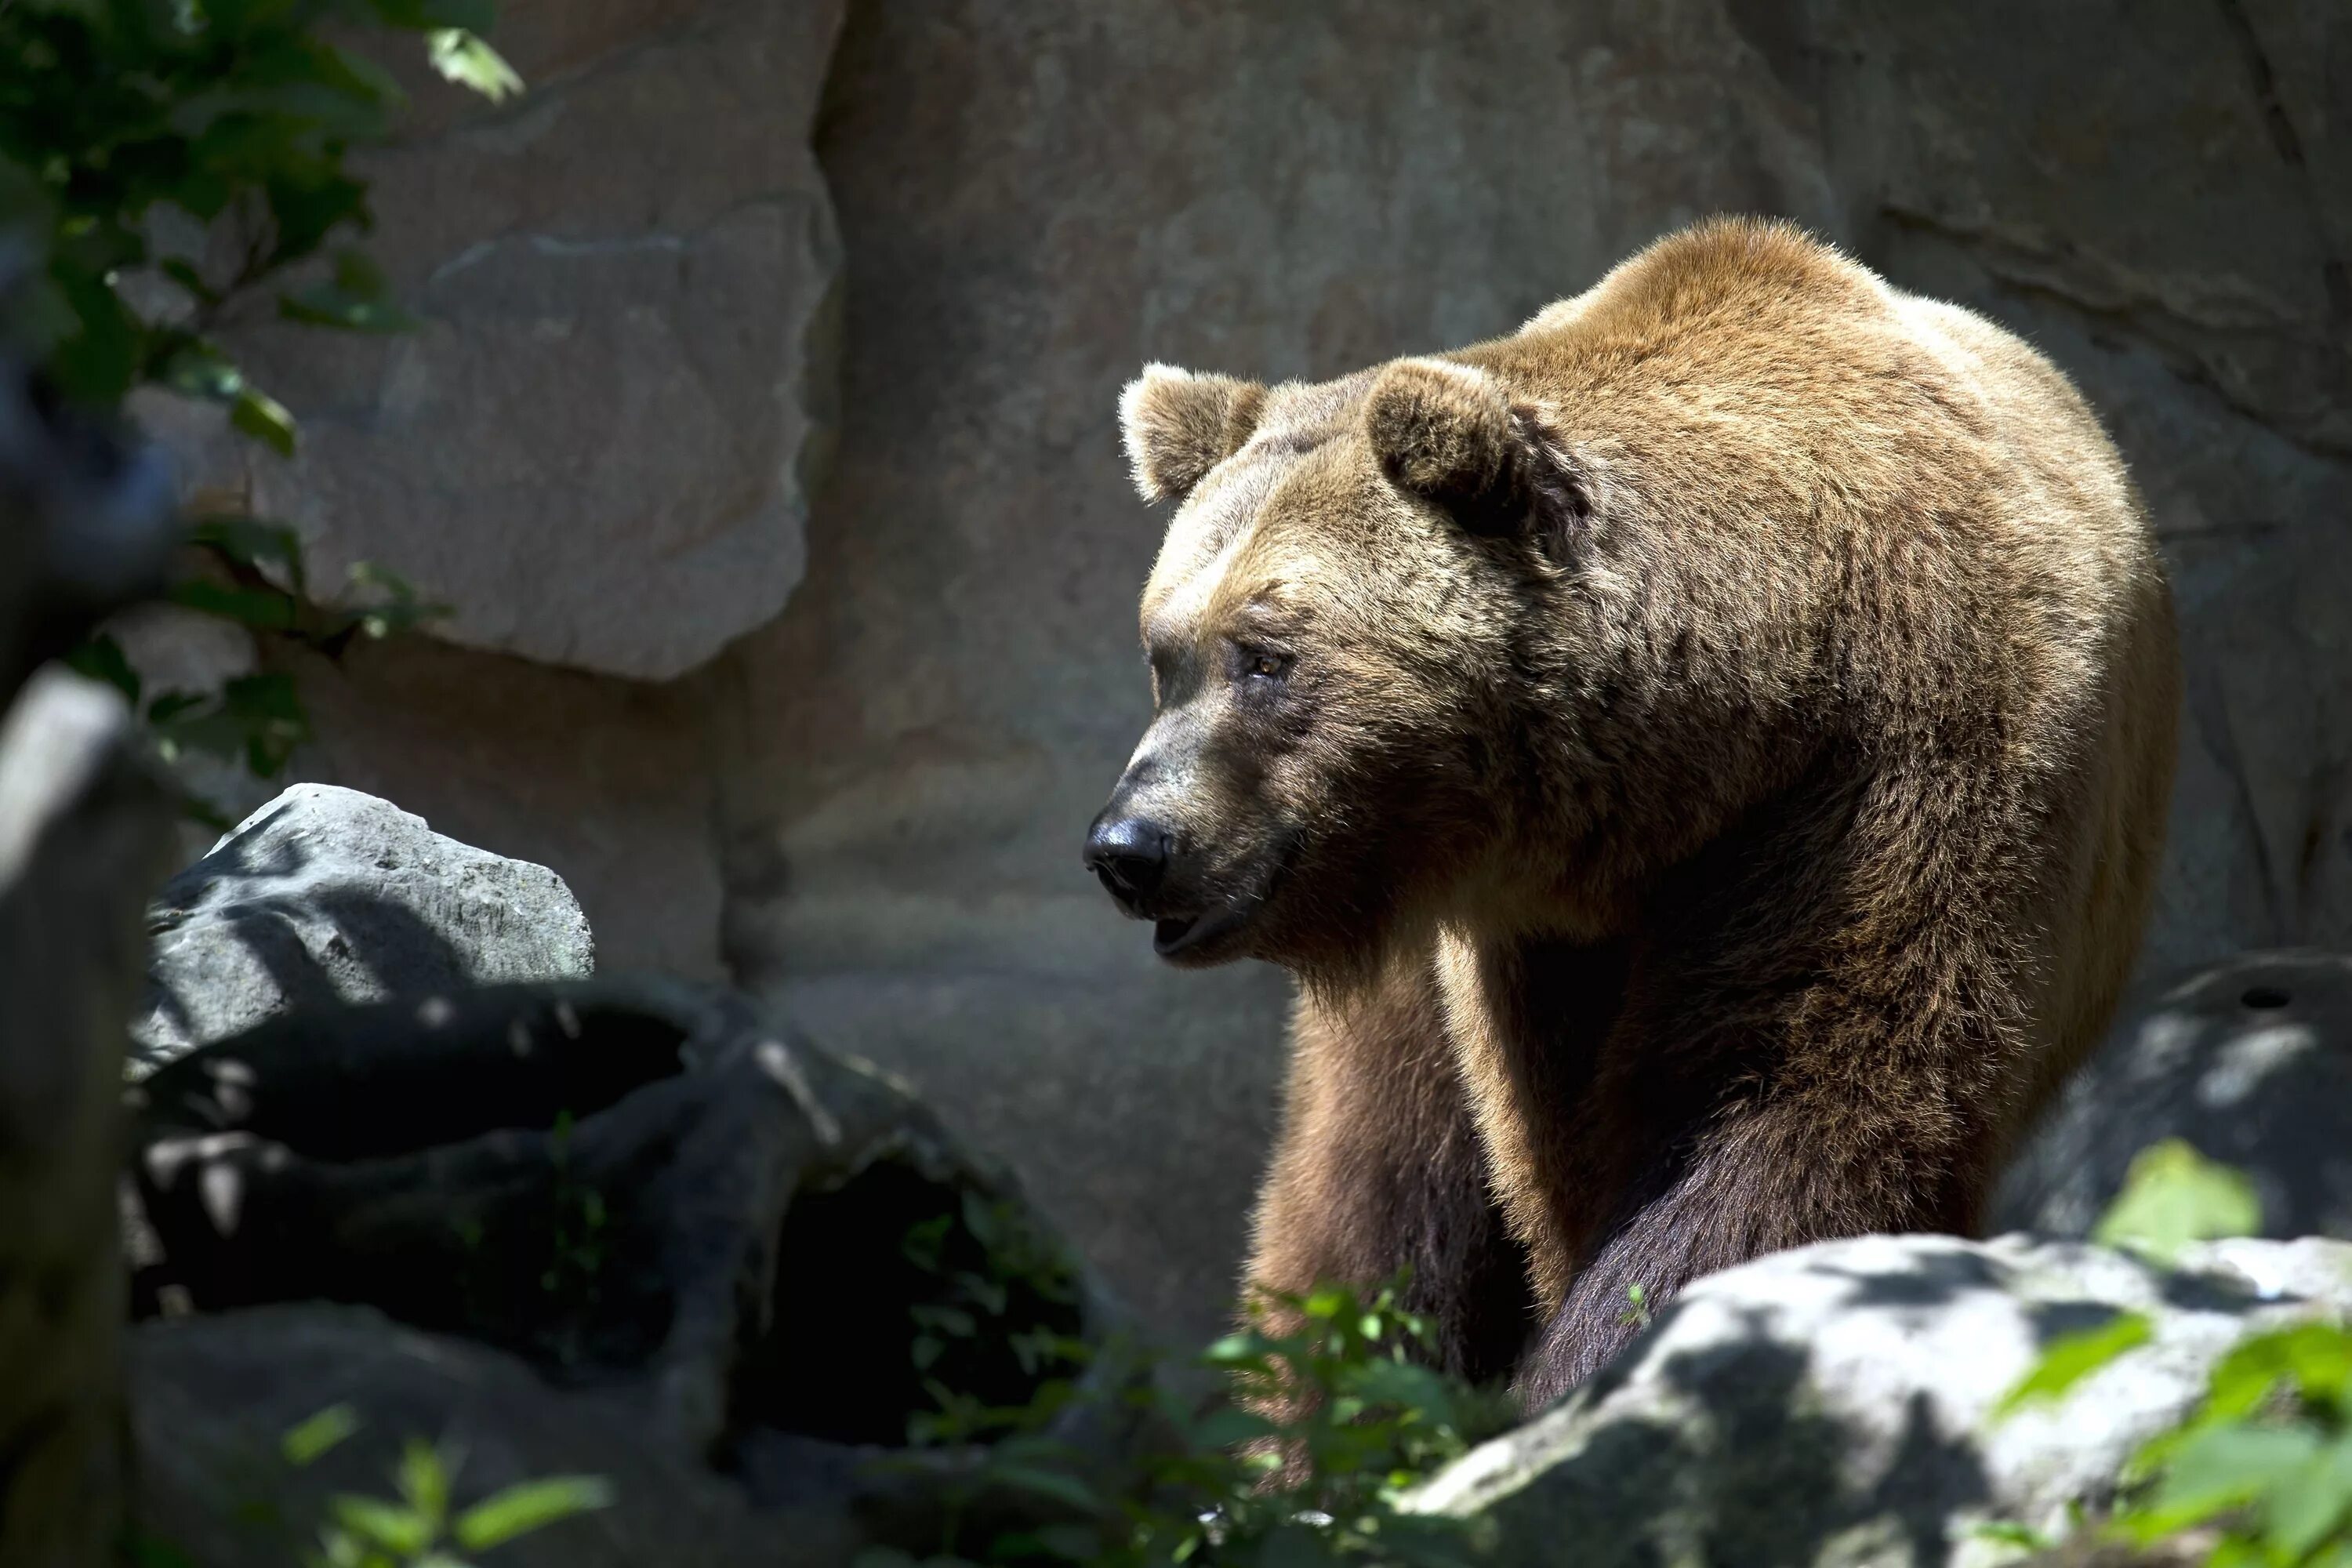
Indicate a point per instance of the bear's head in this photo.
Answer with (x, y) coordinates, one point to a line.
(1336, 629)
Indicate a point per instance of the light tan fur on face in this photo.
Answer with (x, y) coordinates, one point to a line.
(1733, 717)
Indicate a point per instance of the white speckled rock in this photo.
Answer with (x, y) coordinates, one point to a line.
(326, 894)
(1833, 1405)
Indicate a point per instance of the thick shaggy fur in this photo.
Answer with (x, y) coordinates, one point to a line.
(1705, 756)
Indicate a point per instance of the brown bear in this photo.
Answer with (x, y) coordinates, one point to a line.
(1704, 757)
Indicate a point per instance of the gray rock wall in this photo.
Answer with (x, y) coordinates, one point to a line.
(870, 806)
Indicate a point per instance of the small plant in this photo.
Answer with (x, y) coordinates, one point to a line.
(1362, 1419)
(416, 1527)
(167, 166)
(576, 1240)
(2173, 1195)
(1636, 1314)
(983, 1255)
(2262, 1468)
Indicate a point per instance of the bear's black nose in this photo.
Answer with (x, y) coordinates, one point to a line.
(1130, 855)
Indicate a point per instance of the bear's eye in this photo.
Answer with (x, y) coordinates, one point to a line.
(1261, 664)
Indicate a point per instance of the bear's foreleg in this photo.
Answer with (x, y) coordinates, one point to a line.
(1377, 1168)
(1759, 1178)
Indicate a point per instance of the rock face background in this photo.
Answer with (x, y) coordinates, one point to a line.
(645, 351)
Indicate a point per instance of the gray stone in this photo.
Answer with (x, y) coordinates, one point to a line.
(1834, 1404)
(653, 1195)
(597, 445)
(2249, 1060)
(612, 783)
(327, 894)
(212, 1398)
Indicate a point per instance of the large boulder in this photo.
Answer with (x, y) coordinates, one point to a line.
(1834, 1403)
(326, 894)
(212, 1397)
(720, 1239)
(2249, 1060)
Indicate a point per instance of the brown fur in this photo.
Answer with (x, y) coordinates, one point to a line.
(1715, 743)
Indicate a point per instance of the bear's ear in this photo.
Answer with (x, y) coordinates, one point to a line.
(1449, 433)
(1178, 426)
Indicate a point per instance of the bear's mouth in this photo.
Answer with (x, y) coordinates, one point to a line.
(1178, 936)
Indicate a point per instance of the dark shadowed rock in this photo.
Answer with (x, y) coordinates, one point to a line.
(649, 1192)
(326, 895)
(1833, 1405)
(2249, 1060)
(212, 1397)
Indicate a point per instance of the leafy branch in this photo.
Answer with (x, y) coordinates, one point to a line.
(163, 164)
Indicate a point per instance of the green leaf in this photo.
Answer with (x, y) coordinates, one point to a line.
(1058, 1485)
(199, 370)
(2173, 1195)
(460, 54)
(307, 207)
(263, 609)
(399, 1531)
(416, 15)
(1230, 1429)
(263, 417)
(2310, 1502)
(356, 300)
(2316, 1357)
(531, 1505)
(424, 1483)
(2070, 1358)
(99, 356)
(2221, 1469)
(146, 1551)
(183, 271)
(2009, 1532)
(251, 543)
(103, 659)
(316, 1436)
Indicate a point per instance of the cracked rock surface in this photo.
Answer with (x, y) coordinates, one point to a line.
(596, 446)
(634, 1229)
(326, 894)
(1834, 1403)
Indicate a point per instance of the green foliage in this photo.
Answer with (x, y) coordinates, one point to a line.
(579, 1235)
(2071, 1357)
(2173, 1195)
(1339, 1415)
(973, 1305)
(238, 114)
(416, 1528)
(2263, 1464)
(163, 164)
(1636, 1314)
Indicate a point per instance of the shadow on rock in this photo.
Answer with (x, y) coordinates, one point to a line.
(682, 1218)
(1836, 1404)
(325, 896)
